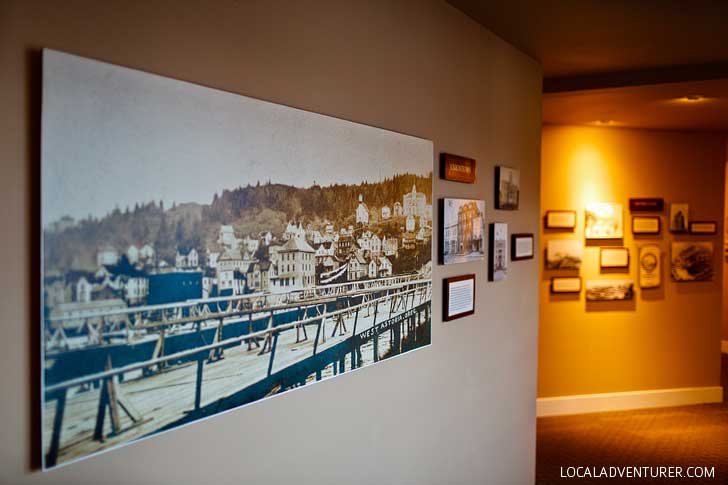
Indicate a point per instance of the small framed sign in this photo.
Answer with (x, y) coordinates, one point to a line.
(646, 225)
(703, 227)
(570, 284)
(457, 168)
(521, 247)
(459, 298)
(563, 219)
(653, 204)
(614, 258)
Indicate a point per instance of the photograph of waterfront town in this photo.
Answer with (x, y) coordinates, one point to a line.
(204, 250)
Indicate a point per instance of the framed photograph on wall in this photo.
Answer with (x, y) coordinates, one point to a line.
(498, 262)
(507, 185)
(564, 254)
(457, 169)
(650, 266)
(459, 297)
(679, 217)
(646, 225)
(603, 220)
(462, 230)
(609, 290)
(521, 247)
(703, 228)
(610, 257)
(560, 219)
(565, 284)
(691, 261)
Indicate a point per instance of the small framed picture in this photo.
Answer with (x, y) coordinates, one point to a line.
(679, 217)
(652, 204)
(609, 290)
(566, 284)
(603, 220)
(646, 225)
(498, 262)
(564, 254)
(560, 219)
(703, 227)
(462, 230)
(691, 261)
(650, 261)
(459, 298)
(457, 169)
(507, 186)
(614, 257)
(521, 247)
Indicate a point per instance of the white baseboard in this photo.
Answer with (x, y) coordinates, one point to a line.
(620, 401)
(724, 346)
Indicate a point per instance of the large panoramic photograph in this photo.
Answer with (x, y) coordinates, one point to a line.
(204, 250)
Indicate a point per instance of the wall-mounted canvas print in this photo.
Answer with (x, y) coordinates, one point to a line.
(565, 284)
(508, 187)
(610, 257)
(691, 261)
(560, 220)
(457, 169)
(609, 290)
(204, 250)
(679, 217)
(650, 266)
(521, 247)
(703, 228)
(646, 225)
(462, 230)
(498, 262)
(564, 254)
(603, 220)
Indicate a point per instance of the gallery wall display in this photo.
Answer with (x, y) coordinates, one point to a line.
(191, 240)
(603, 220)
(521, 247)
(691, 261)
(679, 217)
(507, 188)
(462, 230)
(609, 290)
(498, 262)
(457, 169)
(703, 228)
(611, 257)
(459, 297)
(565, 284)
(560, 219)
(646, 225)
(650, 266)
(564, 254)
(646, 205)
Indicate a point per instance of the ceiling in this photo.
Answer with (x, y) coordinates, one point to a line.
(586, 37)
(661, 106)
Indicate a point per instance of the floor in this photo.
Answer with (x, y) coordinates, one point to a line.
(683, 436)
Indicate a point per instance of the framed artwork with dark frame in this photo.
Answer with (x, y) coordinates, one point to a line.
(459, 297)
(646, 225)
(457, 169)
(703, 228)
(507, 188)
(560, 219)
(521, 247)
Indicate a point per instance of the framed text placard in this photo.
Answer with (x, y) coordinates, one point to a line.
(459, 298)
(560, 219)
(457, 169)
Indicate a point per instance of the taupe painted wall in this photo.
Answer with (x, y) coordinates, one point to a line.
(459, 412)
(664, 338)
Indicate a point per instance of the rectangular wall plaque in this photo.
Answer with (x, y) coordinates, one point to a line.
(459, 298)
(650, 267)
(646, 205)
(614, 258)
(521, 246)
(457, 169)
(565, 284)
(560, 219)
(646, 225)
(703, 227)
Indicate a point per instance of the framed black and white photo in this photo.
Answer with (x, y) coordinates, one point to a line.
(462, 230)
(498, 262)
(691, 261)
(507, 184)
(564, 254)
(521, 247)
(611, 257)
(560, 219)
(459, 297)
(703, 228)
(609, 290)
(646, 225)
(565, 284)
(679, 217)
(603, 220)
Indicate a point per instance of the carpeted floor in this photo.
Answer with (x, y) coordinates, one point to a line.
(684, 436)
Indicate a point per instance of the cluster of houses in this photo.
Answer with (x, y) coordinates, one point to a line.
(300, 257)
